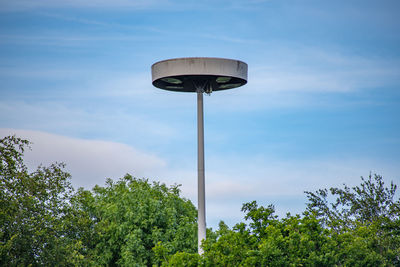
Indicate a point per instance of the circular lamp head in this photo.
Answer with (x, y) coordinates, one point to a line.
(188, 74)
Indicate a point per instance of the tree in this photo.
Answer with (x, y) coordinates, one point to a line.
(360, 228)
(369, 211)
(45, 222)
(367, 203)
(33, 208)
(132, 222)
(135, 223)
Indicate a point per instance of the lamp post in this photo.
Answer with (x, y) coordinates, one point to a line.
(199, 75)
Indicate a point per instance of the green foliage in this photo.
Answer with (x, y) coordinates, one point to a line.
(33, 208)
(360, 228)
(133, 222)
(292, 241)
(183, 259)
(368, 213)
(44, 222)
(136, 223)
(368, 203)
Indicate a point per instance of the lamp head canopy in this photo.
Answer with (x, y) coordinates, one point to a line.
(194, 73)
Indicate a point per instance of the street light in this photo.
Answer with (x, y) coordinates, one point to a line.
(200, 75)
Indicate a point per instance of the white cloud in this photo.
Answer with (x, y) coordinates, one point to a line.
(230, 181)
(90, 162)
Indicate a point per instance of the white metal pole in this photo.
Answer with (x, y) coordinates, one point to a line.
(200, 172)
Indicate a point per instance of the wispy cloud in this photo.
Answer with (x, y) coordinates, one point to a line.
(27, 4)
(114, 26)
(39, 73)
(230, 39)
(292, 79)
(275, 81)
(59, 117)
(57, 39)
(316, 70)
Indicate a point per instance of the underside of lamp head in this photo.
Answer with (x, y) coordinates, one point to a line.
(198, 73)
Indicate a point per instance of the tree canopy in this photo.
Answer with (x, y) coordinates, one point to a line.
(34, 209)
(45, 222)
(134, 222)
(359, 227)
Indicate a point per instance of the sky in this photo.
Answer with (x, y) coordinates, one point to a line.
(321, 107)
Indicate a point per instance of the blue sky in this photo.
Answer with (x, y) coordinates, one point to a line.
(321, 107)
